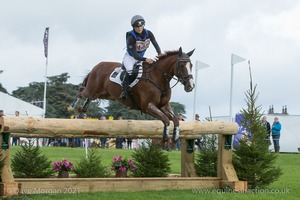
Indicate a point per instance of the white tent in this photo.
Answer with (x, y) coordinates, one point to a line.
(10, 104)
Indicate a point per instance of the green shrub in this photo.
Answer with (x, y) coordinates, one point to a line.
(91, 166)
(151, 161)
(29, 163)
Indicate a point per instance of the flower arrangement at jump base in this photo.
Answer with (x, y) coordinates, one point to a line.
(121, 166)
(62, 168)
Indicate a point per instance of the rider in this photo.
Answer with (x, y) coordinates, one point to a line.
(137, 41)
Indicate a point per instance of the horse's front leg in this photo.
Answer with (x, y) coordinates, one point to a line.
(74, 103)
(158, 114)
(167, 110)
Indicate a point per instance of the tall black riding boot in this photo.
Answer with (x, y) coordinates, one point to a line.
(125, 85)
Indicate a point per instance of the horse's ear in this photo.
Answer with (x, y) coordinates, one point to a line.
(180, 51)
(190, 53)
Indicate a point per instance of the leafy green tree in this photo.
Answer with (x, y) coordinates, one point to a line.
(252, 159)
(2, 89)
(116, 109)
(30, 163)
(177, 108)
(59, 95)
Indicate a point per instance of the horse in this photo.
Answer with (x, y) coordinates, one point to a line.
(151, 94)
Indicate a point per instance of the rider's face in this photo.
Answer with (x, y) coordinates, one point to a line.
(139, 29)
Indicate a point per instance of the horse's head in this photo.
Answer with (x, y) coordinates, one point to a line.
(184, 70)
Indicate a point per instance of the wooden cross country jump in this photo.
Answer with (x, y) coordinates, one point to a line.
(30, 127)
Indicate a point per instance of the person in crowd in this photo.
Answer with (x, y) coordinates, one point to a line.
(178, 143)
(119, 141)
(1, 113)
(276, 128)
(199, 142)
(267, 126)
(103, 140)
(16, 140)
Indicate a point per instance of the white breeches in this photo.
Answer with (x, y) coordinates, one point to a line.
(128, 62)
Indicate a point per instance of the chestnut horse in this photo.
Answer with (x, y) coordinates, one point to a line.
(151, 94)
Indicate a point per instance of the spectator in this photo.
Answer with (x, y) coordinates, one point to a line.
(1, 113)
(129, 143)
(103, 140)
(276, 128)
(119, 141)
(267, 126)
(16, 140)
(178, 143)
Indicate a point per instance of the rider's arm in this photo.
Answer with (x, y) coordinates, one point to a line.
(131, 47)
(154, 42)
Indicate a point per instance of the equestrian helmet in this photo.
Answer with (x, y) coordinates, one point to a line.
(137, 20)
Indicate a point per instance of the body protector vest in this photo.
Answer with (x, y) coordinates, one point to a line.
(141, 44)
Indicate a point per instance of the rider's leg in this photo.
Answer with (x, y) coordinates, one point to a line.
(125, 86)
(128, 62)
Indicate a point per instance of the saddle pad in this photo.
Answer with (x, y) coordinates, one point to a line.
(115, 76)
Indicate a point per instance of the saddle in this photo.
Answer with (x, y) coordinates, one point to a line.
(118, 74)
(135, 71)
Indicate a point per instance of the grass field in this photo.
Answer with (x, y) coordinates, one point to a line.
(287, 187)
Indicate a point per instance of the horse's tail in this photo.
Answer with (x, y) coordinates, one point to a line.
(84, 82)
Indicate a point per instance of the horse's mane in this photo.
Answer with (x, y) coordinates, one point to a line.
(167, 53)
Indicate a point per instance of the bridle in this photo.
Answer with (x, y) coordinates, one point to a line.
(182, 79)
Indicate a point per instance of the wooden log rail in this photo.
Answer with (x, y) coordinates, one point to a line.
(71, 128)
(82, 128)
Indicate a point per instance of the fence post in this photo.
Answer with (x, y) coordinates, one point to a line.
(187, 158)
(8, 186)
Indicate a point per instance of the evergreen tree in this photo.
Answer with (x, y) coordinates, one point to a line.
(90, 167)
(151, 161)
(252, 160)
(29, 163)
(207, 158)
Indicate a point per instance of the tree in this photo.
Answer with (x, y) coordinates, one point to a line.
(59, 95)
(177, 108)
(2, 89)
(252, 160)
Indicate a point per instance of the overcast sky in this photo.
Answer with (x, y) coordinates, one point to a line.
(86, 32)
